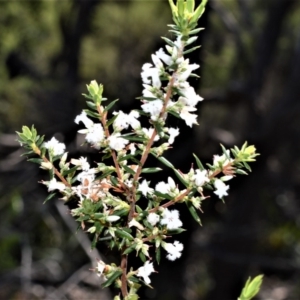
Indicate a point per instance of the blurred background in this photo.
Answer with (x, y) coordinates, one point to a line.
(250, 79)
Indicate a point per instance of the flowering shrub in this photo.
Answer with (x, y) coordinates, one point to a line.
(108, 193)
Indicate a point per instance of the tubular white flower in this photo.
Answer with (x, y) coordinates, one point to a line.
(81, 162)
(53, 184)
(94, 132)
(221, 188)
(132, 148)
(170, 218)
(153, 218)
(174, 250)
(112, 218)
(149, 71)
(200, 177)
(166, 188)
(157, 62)
(148, 133)
(145, 271)
(124, 120)
(135, 223)
(190, 97)
(84, 119)
(222, 159)
(173, 133)
(116, 142)
(153, 108)
(55, 147)
(189, 119)
(144, 188)
(167, 59)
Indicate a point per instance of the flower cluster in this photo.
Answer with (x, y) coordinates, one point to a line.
(108, 192)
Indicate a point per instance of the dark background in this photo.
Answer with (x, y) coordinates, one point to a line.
(250, 79)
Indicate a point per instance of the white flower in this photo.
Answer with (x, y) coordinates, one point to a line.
(116, 142)
(153, 218)
(112, 218)
(189, 119)
(222, 159)
(53, 184)
(167, 59)
(157, 62)
(94, 132)
(190, 97)
(149, 71)
(55, 147)
(221, 188)
(81, 162)
(166, 188)
(86, 178)
(88, 175)
(132, 148)
(100, 268)
(200, 177)
(185, 70)
(153, 108)
(174, 250)
(145, 271)
(226, 177)
(171, 219)
(144, 188)
(124, 120)
(84, 119)
(132, 119)
(135, 223)
(173, 133)
(148, 133)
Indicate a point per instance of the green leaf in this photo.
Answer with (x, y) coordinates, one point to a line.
(241, 172)
(151, 170)
(92, 114)
(111, 279)
(124, 234)
(130, 249)
(49, 197)
(114, 180)
(179, 176)
(111, 120)
(157, 255)
(198, 162)
(190, 5)
(87, 96)
(72, 170)
(199, 11)
(176, 231)
(91, 105)
(35, 160)
(128, 170)
(125, 157)
(164, 196)
(193, 212)
(195, 31)
(164, 161)
(246, 166)
(169, 42)
(191, 50)
(142, 256)
(225, 152)
(134, 138)
(251, 288)
(105, 174)
(110, 105)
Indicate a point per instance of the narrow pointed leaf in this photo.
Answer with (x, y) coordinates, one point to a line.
(193, 212)
(111, 279)
(198, 162)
